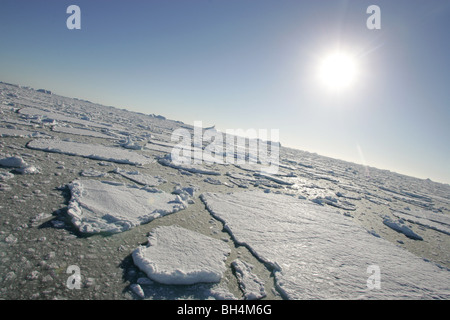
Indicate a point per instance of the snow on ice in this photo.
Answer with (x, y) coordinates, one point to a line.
(92, 151)
(12, 162)
(167, 161)
(10, 132)
(83, 132)
(425, 218)
(42, 115)
(6, 132)
(19, 165)
(176, 255)
(141, 178)
(317, 253)
(250, 283)
(103, 206)
(399, 226)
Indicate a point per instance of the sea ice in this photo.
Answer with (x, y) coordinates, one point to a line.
(400, 226)
(319, 254)
(157, 147)
(6, 132)
(5, 176)
(175, 255)
(97, 152)
(130, 144)
(141, 178)
(167, 161)
(426, 218)
(104, 206)
(82, 132)
(43, 115)
(12, 162)
(93, 173)
(250, 283)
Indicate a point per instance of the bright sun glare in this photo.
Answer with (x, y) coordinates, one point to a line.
(338, 71)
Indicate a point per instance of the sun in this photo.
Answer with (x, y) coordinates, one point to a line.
(338, 71)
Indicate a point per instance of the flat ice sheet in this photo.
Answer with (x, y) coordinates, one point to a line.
(6, 132)
(102, 206)
(202, 169)
(83, 132)
(30, 112)
(176, 255)
(319, 254)
(97, 152)
(141, 178)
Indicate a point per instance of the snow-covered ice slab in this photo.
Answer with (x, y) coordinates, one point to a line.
(176, 255)
(7, 132)
(104, 206)
(157, 147)
(12, 162)
(141, 178)
(47, 115)
(426, 218)
(250, 283)
(273, 178)
(317, 253)
(167, 161)
(83, 132)
(399, 226)
(92, 151)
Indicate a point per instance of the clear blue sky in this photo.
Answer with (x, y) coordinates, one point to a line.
(253, 64)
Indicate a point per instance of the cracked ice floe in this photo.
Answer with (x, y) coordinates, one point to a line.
(157, 147)
(8, 132)
(93, 173)
(319, 254)
(83, 132)
(250, 283)
(46, 116)
(141, 178)
(167, 161)
(97, 152)
(105, 206)
(426, 218)
(175, 255)
(399, 226)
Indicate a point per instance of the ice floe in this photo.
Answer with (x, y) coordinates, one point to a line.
(131, 144)
(141, 178)
(92, 151)
(176, 255)
(318, 254)
(251, 285)
(428, 219)
(12, 162)
(93, 173)
(9, 132)
(400, 226)
(5, 176)
(202, 169)
(105, 206)
(19, 165)
(83, 132)
(43, 115)
(157, 147)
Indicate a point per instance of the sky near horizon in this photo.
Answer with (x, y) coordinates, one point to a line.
(242, 64)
